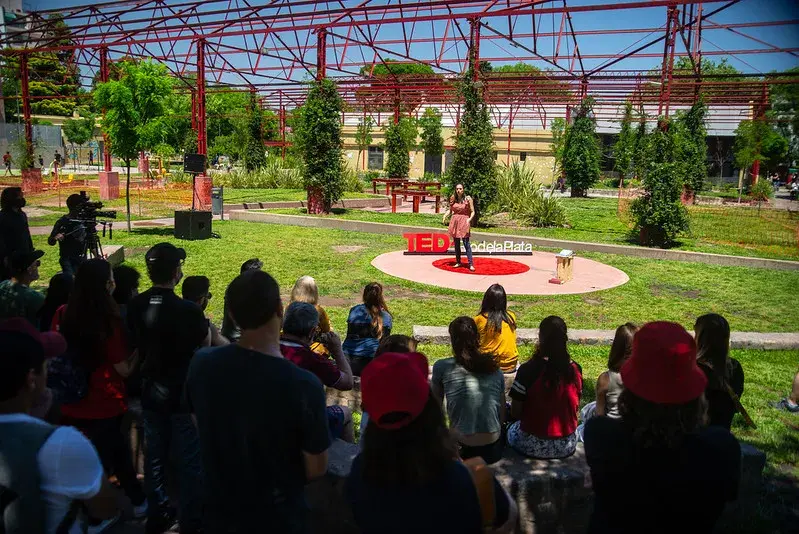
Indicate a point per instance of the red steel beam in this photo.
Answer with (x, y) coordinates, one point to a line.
(26, 103)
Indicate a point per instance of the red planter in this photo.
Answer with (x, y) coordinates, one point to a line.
(316, 201)
(688, 197)
(32, 180)
(109, 185)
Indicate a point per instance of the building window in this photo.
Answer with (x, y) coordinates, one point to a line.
(522, 156)
(375, 158)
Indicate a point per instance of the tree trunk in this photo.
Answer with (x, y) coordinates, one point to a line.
(127, 193)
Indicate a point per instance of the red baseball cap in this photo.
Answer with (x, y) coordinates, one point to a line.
(53, 343)
(662, 367)
(395, 382)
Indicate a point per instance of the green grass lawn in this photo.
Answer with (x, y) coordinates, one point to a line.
(720, 230)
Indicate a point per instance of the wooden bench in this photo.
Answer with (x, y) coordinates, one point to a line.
(433, 187)
(391, 183)
(417, 196)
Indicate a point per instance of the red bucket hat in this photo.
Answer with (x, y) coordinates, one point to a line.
(662, 367)
(395, 382)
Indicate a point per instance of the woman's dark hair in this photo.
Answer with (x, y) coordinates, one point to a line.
(127, 280)
(552, 346)
(495, 309)
(92, 315)
(396, 343)
(622, 346)
(465, 341)
(713, 348)
(375, 304)
(8, 196)
(411, 455)
(57, 295)
(658, 425)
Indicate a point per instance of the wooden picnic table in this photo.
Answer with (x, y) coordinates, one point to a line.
(390, 184)
(418, 196)
(423, 186)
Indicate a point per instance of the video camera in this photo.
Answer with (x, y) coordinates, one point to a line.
(90, 211)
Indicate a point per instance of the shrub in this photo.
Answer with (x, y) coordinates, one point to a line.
(275, 174)
(659, 213)
(255, 153)
(761, 191)
(353, 182)
(581, 154)
(400, 140)
(525, 200)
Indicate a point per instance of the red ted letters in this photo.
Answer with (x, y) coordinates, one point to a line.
(429, 243)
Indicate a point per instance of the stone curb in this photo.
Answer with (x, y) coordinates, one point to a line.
(439, 335)
(344, 203)
(623, 250)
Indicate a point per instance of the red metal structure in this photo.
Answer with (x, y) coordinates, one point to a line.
(276, 46)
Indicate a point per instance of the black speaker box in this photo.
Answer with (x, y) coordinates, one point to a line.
(194, 163)
(193, 225)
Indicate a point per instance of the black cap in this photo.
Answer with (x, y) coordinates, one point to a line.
(165, 254)
(21, 260)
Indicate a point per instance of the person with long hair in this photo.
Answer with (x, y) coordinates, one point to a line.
(725, 376)
(474, 389)
(497, 328)
(545, 396)
(306, 290)
(95, 335)
(461, 208)
(58, 291)
(658, 468)
(367, 324)
(408, 477)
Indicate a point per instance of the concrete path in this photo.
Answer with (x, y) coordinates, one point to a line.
(439, 335)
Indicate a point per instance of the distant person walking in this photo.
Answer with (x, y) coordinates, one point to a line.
(91, 157)
(41, 161)
(7, 162)
(57, 159)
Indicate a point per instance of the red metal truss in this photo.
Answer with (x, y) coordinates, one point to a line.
(276, 46)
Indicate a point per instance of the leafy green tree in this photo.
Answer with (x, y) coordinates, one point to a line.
(255, 153)
(756, 140)
(474, 162)
(581, 152)
(624, 149)
(558, 129)
(79, 131)
(692, 144)
(363, 135)
(400, 140)
(396, 68)
(317, 134)
(134, 112)
(641, 154)
(784, 112)
(431, 133)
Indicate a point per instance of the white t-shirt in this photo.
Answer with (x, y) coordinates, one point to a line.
(69, 468)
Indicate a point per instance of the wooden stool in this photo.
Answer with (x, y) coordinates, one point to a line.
(564, 267)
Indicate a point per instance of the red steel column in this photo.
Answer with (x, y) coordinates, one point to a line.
(474, 47)
(321, 53)
(109, 180)
(760, 114)
(31, 177)
(396, 106)
(667, 70)
(202, 183)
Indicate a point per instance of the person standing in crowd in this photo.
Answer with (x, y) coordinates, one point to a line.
(57, 295)
(497, 327)
(47, 468)
(15, 236)
(126, 280)
(461, 208)
(300, 324)
(725, 376)
(91, 324)
(17, 299)
(408, 477)
(70, 234)
(167, 331)
(257, 460)
(197, 289)
(474, 389)
(367, 324)
(229, 329)
(7, 159)
(545, 397)
(659, 469)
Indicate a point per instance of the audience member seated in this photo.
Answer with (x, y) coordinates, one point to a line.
(545, 397)
(57, 295)
(126, 279)
(262, 420)
(197, 289)
(725, 376)
(300, 325)
(93, 329)
(408, 477)
(367, 324)
(474, 389)
(791, 402)
(658, 469)
(229, 328)
(305, 290)
(53, 471)
(167, 331)
(16, 298)
(497, 327)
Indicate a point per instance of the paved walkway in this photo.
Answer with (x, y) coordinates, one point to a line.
(439, 335)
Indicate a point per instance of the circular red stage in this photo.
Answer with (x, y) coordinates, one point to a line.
(483, 266)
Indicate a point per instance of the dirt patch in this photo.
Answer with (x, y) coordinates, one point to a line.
(659, 290)
(346, 249)
(403, 293)
(37, 212)
(593, 302)
(338, 302)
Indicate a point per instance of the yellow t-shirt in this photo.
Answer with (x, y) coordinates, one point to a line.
(501, 345)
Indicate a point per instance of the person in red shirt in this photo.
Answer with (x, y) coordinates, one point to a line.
(93, 328)
(300, 324)
(545, 396)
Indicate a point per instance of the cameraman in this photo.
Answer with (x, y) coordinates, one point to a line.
(70, 233)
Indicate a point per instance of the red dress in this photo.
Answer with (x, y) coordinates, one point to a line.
(459, 224)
